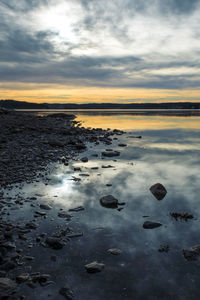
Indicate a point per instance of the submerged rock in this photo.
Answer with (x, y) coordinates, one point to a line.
(192, 253)
(67, 293)
(109, 201)
(151, 225)
(64, 215)
(110, 153)
(84, 159)
(94, 267)
(45, 206)
(54, 243)
(7, 288)
(77, 209)
(114, 251)
(158, 190)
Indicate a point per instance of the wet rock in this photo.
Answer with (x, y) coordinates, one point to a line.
(45, 206)
(122, 145)
(114, 251)
(64, 215)
(191, 253)
(77, 209)
(67, 293)
(109, 201)
(7, 288)
(40, 213)
(56, 143)
(107, 166)
(54, 243)
(77, 169)
(163, 248)
(151, 225)
(158, 190)
(22, 277)
(84, 159)
(110, 153)
(94, 267)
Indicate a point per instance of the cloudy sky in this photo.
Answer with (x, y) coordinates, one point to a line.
(100, 50)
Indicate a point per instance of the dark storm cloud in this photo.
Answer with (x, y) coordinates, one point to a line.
(31, 53)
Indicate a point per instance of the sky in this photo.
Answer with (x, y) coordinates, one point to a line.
(100, 51)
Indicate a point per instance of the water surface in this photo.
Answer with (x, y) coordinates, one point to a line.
(168, 152)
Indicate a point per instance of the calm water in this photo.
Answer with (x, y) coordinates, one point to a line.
(169, 153)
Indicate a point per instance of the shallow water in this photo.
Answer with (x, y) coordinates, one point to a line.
(167, 153)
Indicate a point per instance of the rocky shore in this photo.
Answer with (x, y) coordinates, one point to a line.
(28, 143)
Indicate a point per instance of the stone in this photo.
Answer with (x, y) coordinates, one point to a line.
(191, 253)
(109, 201)
(66, 292)
(45, 206)
(107, 166)
(22, 277)
(7, 287)
(56, 143)
(64, 215)
(54, 243)
(114, 251)
(122, 145)
(158, 190)
(151, 225)
(84, 159)
(77, 209)
(110, 153)
(94, 267)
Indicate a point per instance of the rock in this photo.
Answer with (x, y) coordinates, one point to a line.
(114, 251)
(158, 190)
(151, 225)
(64, 215)
(54, 243)
(122, 145)
(56, 143)
(77, 209)
(7, 288)
(109, 201)
(84, 159)
(107, 166)
(191, 253)
(67, 293)
(40, 213)
(77, 169)
(22, 277)
(45, 206)
(94, 267)
(110, 153)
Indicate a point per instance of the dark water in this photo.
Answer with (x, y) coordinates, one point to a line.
(167, 153)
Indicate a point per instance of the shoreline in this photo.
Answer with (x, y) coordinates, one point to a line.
(28, 143)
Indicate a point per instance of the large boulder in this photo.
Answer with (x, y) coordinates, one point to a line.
(158, 190)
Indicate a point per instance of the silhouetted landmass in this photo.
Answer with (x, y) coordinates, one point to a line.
(12, 104)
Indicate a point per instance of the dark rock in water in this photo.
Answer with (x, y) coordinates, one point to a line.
(67, 293)
(122, 145)
(22, 277)
(181, 216)
(164, 248)
(94, 267)
(54, 243)
(110, 153)
(45, 206)
(192, 253)
(158, 190)
(56, 143)
(84, 159)
(77, 169)
(107, 166)
(135, 136)
(151, 225)
(7, 288)
(76, 209)
(109, 201)
(64, 215)
(114, 251)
